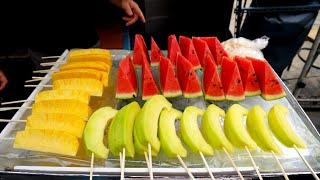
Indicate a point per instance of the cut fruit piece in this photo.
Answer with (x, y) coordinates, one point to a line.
(211, 81)
(169, 83)
(212, 130)
(68, 123)
(155, 53)
(95, 129)
(188, 78)
(82, 96)
(270, 85)
(259, 130)
(92, 86)
(235, 130)
(173, 48)
(86, 65)
(216, 49)
(47, 141)
(120, 134)
(146, 125)
(170, 142)
(202, 50)
(281, 128)
(189, 52)
(248, 76)
(94, 54)
(62, 106)
(231, 80)
(191, 133)
(149, 86)
(126, 80)
(140, 51)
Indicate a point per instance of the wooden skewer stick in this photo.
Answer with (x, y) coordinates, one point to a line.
(253, 163)
(7, 138)
(306, 163)
(148, 164)
(91, 166)
(37, 77)
(9, 120)
(14, 102)
(50, 57)
(45, 71)
(36, 85)
(150, 161)
(122, 163)
(280, 165)
(12, 108)
(233, 164)
(185, 167)
(34, 80)
(206, 164)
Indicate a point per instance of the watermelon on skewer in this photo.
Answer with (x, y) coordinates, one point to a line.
(173, 48)
(155, 53)
(248, 76)
(231, 80)
(169, 83)
(149, 86)
(202, 50)
(139, 51)
(211, 81)
(188, 78)
(188, 51)
(216, 49)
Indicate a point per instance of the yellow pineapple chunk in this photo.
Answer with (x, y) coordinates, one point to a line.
(62, 106)
(92, 86)
(47, 141)
(81, 55)
(79, 52)
(68, 123)
(82, 96)
(86, 64)
(82, 73)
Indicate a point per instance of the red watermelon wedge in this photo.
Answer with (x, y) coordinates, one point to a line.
(211, 81)
(155, 53)
(126, 80)
(216, 48)
(231, 80)
(169, 83)
(188, 78)
(173, 48)
(270, 85)
(248, 76)
(139, 51)
(149, 87)
(188, 51)
(202, 50)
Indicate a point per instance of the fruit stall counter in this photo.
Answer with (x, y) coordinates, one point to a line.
(16, 161)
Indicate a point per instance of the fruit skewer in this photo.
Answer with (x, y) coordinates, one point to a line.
(91, 166)
(122, 162)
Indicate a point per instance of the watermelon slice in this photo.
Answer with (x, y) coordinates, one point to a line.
(231, 80)
(188, 78)
(173, 48)
(169, 83)
(270, 85)
(211, 81)
(216, 48)
(139, 51)
(155, 53)
(149, 87)
(188, 51)
(248, 76)
(126, 80)
(202, 50)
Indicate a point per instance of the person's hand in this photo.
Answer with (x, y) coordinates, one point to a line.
(3, 81)
(132, 10)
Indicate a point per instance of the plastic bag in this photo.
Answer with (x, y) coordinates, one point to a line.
(245, 47)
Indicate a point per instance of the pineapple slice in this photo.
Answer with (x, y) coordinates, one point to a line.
(81, 55)
(47, 141)
(68, 123)
(82, 73)
(86, 64)
(92, 86)
(82, 96)
(62, 106)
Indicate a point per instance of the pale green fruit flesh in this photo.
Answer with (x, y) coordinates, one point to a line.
(94, 131)
(190, 131)
(235, 130)
(120, 134)
(212, 130)
(170, 143)
(146, 124)
(278, 122)
(259, 130)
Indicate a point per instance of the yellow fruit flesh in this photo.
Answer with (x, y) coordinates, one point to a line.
(90, 55)
(47, 141)
(103, 76)
(101, 66)
(82, 96)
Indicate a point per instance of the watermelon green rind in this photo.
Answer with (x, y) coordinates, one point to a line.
(192, 95)
(252, 93)
(154, 64)
(172, 94)
(273, 97)
(214, 98)
(126, 95)
(235, 98)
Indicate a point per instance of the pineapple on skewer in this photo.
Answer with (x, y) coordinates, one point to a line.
(93, 54)
(86, 64)
(63, 94)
